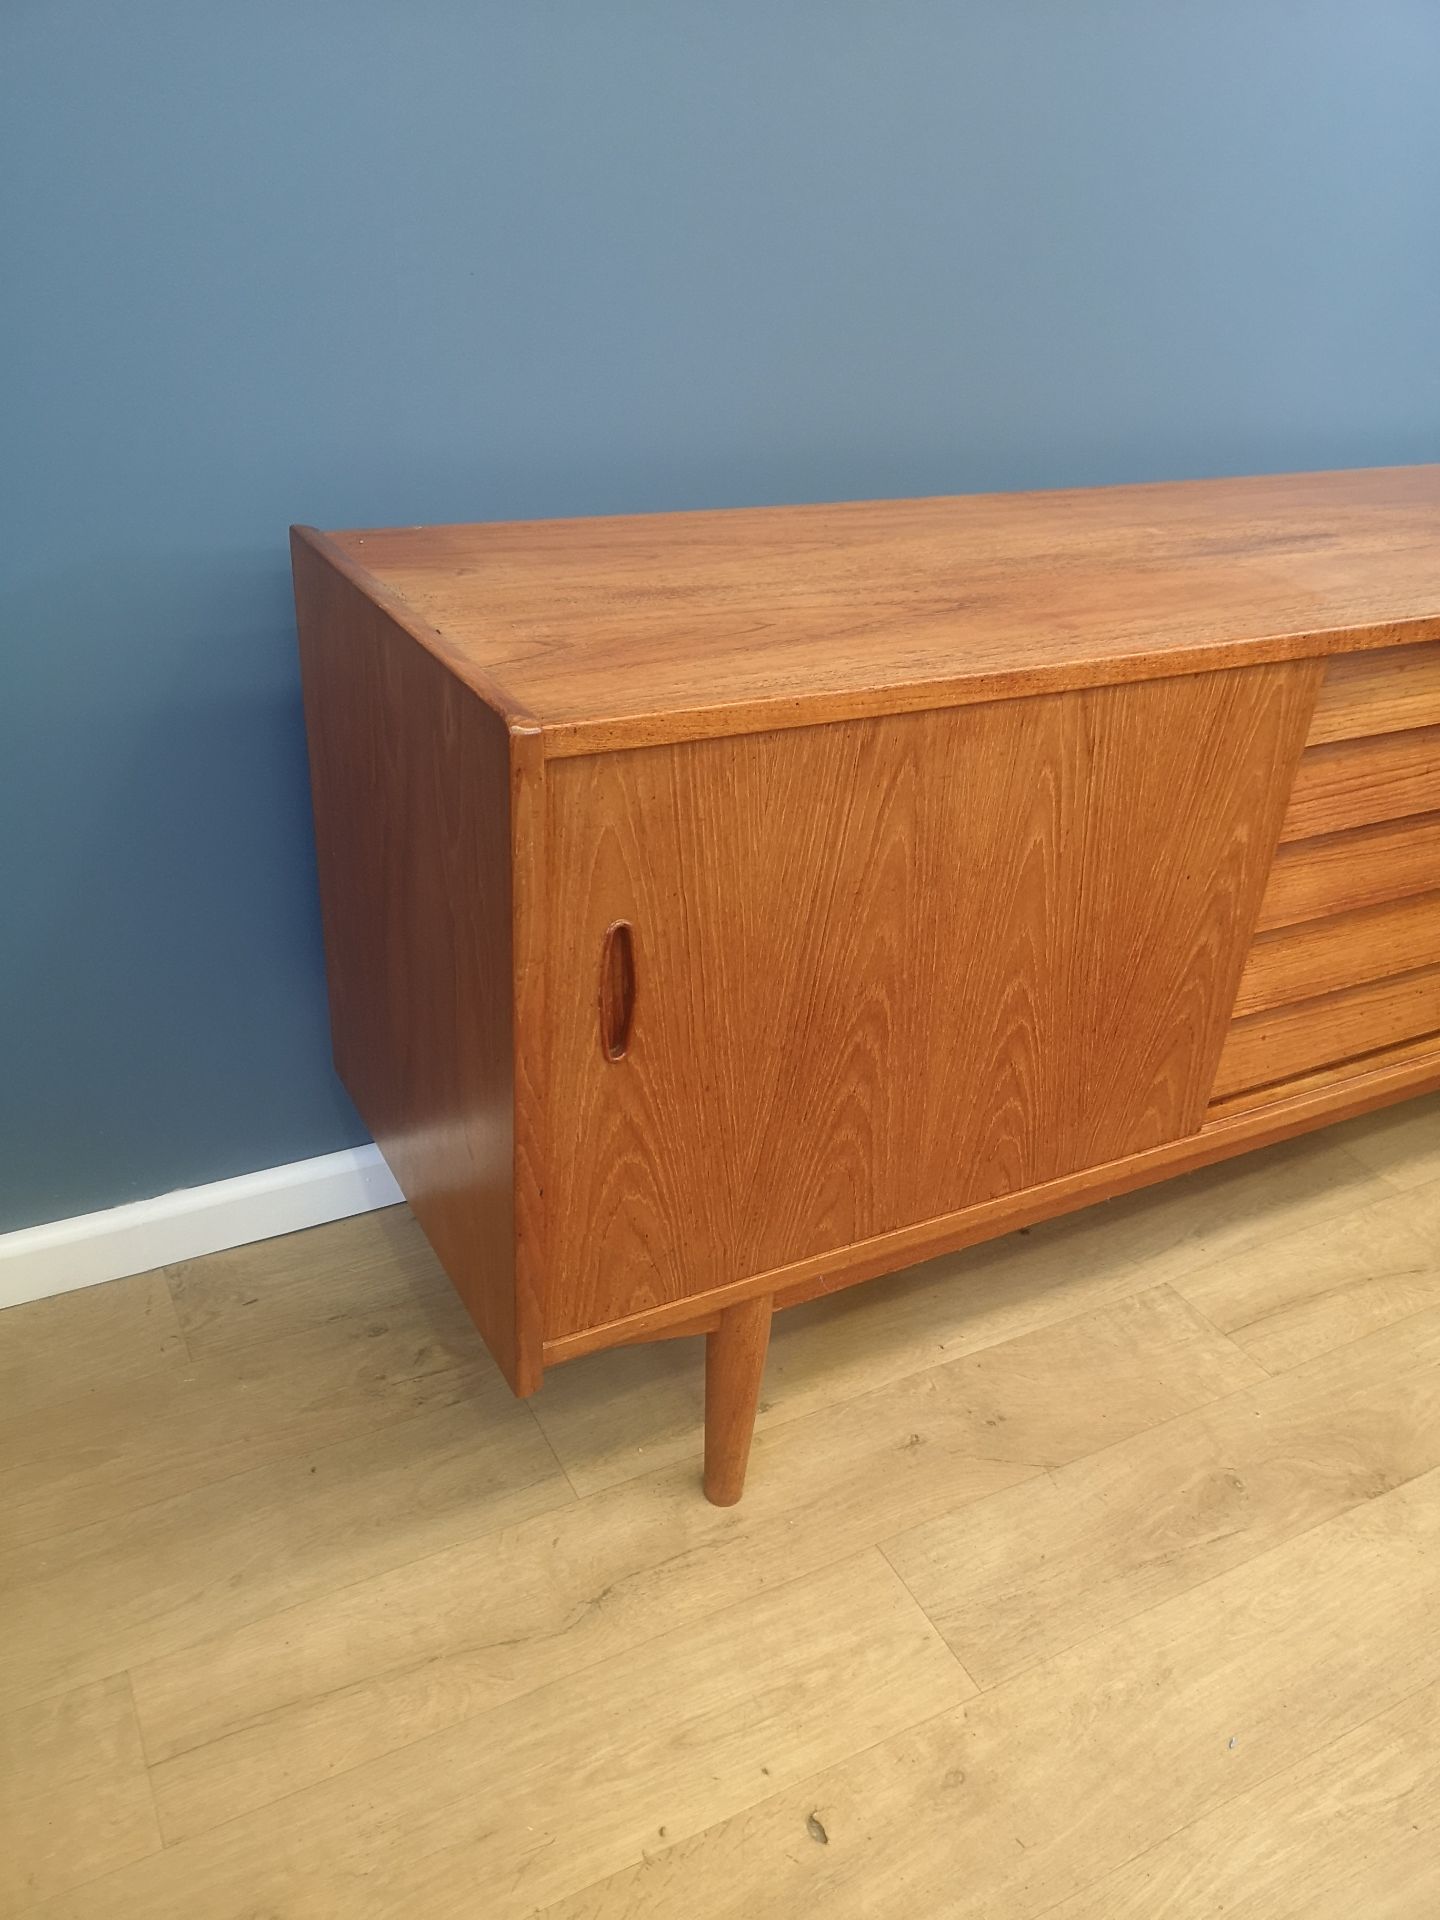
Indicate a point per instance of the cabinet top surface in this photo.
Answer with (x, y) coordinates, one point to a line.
(624, 631)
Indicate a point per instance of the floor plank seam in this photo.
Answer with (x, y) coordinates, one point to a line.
(22, 1702)
(167, 1281)
(550, 1448)
(1403, 1187)
(1176, 1284)
(930, 1621)
(139, 1731)
(1330, 1293)
(148, 1768)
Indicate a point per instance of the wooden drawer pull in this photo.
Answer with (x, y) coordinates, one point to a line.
(617, 989)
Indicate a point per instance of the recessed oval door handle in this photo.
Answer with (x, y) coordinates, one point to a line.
(617, 989)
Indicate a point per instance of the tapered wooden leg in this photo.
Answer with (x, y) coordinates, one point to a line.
(734, 1364)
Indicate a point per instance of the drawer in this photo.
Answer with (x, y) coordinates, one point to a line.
(1338, 1076)
(1362, 867)
(1352, 783)
(1279, 1045)
(1388, 691)
(1324, 956)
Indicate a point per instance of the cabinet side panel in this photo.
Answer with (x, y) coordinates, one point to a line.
(410, 776)
(892, 968)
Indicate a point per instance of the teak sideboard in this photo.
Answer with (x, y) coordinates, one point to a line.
(724, 908)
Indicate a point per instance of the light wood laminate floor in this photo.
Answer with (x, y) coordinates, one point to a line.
(1093, 1574)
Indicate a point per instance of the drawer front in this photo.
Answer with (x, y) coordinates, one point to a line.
(1287, 1042)
(882, 970)
(1325, 956)
(1346, 953)
(1361, 867)
(1352, 783)
(1390, 691)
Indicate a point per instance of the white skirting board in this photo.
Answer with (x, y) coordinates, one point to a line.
(81, 1252)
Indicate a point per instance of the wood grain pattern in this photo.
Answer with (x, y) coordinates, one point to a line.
(1385, 692)
(1048, 1562)
(577, 1778)
(890, 969)
(1410, 1064)
(1348, 1832)
(219, 1554)
(621, 632)
(84, 1462)
(294, 1346)
(412, 776)
(1268, 1047)
(131, 1333)
(1358, 867)
(1253, 1118)
(1323, 956)
(1204, 1607)
(852, 1342)
(282, 1289)
(383, 1662)
(1354, 782)
(1027, 1795)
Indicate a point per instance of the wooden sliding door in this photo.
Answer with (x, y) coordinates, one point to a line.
(806, 987)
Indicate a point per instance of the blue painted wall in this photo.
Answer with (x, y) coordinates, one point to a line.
(359, 261)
